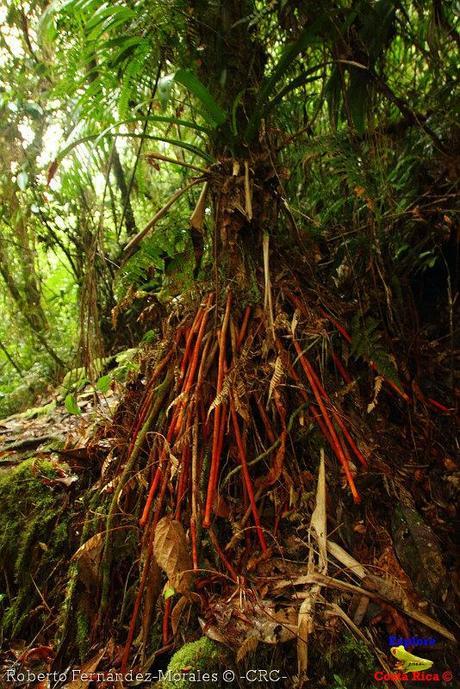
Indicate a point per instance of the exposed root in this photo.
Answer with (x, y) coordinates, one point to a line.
(212, 451)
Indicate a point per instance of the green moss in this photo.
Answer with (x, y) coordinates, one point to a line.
(350, 664)
(203, 655)
(22, 494)
(83, 631)
(66, 608)
(35, 412)
(33, 539)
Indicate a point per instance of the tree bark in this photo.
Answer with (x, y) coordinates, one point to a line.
(119, 173)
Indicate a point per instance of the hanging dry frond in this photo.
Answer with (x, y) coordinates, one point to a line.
(295, 322)
(177, 400)
(241, 408)
(268, 303)
(223, 395)
(378, 382)
(197, 217)
(278, 374)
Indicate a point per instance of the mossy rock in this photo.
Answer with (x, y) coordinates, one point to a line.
(17, 397)
(198, 657)
(16, 401)
(36, 412)
(34, 541)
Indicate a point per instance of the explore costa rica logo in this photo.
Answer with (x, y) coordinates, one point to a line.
(411, 668)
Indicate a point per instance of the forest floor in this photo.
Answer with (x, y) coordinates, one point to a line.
(49, 427)
(380, 580)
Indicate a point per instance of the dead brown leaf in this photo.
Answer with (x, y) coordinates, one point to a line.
(172, 554)
(88, 557)
(177, 612)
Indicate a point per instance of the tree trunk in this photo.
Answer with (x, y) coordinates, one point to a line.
(243, 184)
(230, 61)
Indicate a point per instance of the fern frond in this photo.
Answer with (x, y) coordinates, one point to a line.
(367, 344)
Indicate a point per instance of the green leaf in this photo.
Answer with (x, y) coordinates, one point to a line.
(71, 405)
(213, 113)
(166, 119)
(103, 384)
(339, 682)
(169, 592)
(149, 336)
(97, 137)
(127, 48)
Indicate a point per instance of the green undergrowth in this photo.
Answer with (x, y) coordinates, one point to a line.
(34, 544)
(350, 664)
(116, 367)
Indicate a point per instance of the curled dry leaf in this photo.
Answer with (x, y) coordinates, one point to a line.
(176, 613)
(272, 624)
(172, 554)
(212, 632)
(88, 557)
(45, 653)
